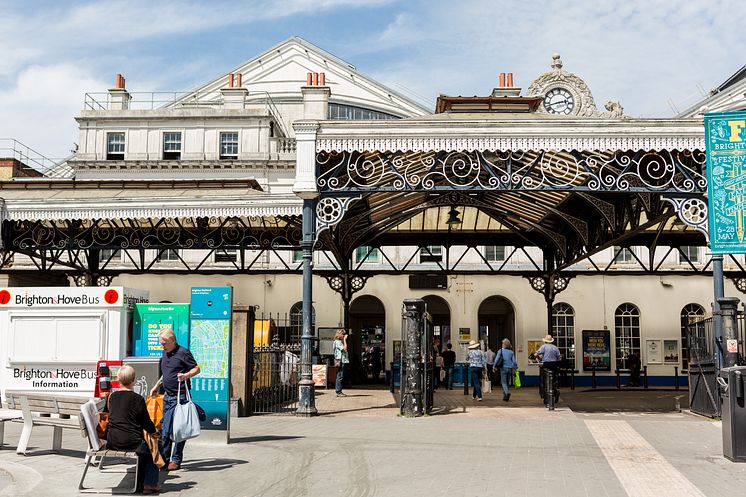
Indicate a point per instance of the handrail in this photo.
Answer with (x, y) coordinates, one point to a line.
(10, 148)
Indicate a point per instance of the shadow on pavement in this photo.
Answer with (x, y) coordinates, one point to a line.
(261, 438)
(211, 464)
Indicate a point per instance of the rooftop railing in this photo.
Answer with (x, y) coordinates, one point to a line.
(29, 158)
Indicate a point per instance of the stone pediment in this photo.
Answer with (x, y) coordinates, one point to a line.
(281, 71)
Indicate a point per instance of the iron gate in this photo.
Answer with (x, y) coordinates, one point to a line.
(704, 393)
(275, 365)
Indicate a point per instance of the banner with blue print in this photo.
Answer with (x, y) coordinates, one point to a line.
(725, 138)
(210, 343)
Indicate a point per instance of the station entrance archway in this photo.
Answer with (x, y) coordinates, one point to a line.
(367, 344)
(496, 320)
(440, 312)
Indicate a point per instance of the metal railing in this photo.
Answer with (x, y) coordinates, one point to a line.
(29, 158)
(152, 100)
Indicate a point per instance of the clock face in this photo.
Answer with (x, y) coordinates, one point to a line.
(559, 101)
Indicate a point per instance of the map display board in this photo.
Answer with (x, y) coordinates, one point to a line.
(210, 344)
(150, 319)
(725, 141)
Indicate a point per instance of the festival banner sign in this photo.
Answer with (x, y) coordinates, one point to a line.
(725, 138)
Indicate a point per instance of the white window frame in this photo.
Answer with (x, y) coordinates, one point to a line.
(435, 250)
(626, 256)
(167, 142)
(226, 255)
(222, 142)
(109, 144)
(169, 255)
(687, 249)
(372, 257)
(494, 257)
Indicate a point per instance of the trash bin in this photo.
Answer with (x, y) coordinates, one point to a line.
(734, 412)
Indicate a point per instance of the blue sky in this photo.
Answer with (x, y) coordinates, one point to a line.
(640, 52)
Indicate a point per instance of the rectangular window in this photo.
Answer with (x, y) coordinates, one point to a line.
(169, 255)
(226, 255)
(297, 256)
(172, 146)
(623, 255)
(109, 255)
(690, 253)
(494, 253)
(366, 254)
(115, 146)
(228, 146)
(432, 253)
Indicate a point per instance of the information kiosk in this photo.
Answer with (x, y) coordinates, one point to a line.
(51, 338)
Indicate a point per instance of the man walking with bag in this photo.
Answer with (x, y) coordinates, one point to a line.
(177, 365)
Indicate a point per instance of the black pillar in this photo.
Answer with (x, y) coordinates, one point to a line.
(411, 387)
(719, 290)
(307, 393)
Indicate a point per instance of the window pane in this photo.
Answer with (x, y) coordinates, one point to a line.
(369, 254)
(627, 333)
(172, 142)
(228, 145)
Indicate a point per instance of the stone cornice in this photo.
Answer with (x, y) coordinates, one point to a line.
(513, 134)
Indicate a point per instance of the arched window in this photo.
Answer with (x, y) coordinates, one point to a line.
(296, 321)
(563, 328)
(690, 312)
(627, 333)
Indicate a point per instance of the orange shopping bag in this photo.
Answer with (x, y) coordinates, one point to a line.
(155, 410)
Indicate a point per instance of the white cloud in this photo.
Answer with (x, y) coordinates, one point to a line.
(43, 103)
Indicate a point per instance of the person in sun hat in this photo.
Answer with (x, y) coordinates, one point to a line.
(477, 368)
(550, 357)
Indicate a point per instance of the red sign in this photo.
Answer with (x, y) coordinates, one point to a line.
(732, 346)
(111, 296)
(4, 297)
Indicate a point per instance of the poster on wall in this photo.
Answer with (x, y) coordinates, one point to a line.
(596, 350)
(670, 351)
(533, 346)
(653, 351)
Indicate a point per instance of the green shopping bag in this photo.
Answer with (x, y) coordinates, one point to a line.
(517, 379)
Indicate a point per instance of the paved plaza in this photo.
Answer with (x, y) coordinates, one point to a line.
(358, 446)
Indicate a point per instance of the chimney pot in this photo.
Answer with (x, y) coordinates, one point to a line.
(230, 80)
(309, 79)
(510, 80)
(322, 79)
(239, 76)
(502, 80)
(315, 79)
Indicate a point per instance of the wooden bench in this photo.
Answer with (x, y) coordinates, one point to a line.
(43, 409)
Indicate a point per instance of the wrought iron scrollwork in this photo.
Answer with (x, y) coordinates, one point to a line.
(330, 211)
(346, 284)
(692, 211)
(551, 285)
(551, 170)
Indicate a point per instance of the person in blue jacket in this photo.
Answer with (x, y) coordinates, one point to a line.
(505, 360)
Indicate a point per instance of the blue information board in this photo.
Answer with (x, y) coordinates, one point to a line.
(725, 138)
(210, 343)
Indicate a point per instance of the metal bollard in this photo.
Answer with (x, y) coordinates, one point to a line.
(572, 379)
(618, 380)
(466, 379)
(593, 378)
(645, 372)
(676, 377)
(392, 377)
(549, 389)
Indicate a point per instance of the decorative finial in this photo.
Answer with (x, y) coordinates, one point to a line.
(556, 61)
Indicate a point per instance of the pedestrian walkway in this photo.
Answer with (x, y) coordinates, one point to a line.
(466, 449)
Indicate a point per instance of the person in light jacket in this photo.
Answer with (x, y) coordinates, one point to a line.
(505, 360)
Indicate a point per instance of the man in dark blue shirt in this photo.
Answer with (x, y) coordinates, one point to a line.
(177, 365)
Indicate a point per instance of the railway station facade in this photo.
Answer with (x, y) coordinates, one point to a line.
(513, 215)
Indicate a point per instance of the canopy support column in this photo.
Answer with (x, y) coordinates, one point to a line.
(307, 394)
